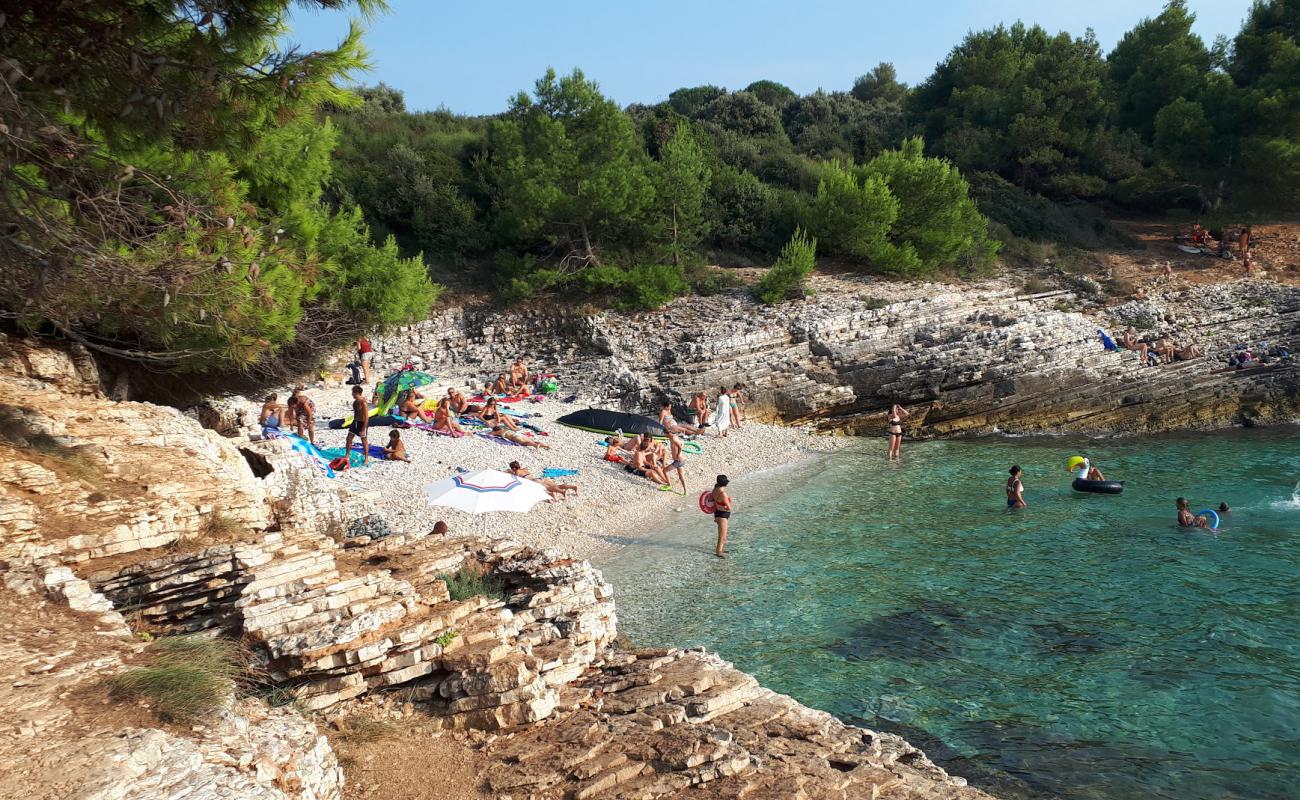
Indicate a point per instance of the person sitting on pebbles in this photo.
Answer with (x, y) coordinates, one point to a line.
(444, 421)
(557, 491)
(518, 377)
(412, 409)
(395, 450)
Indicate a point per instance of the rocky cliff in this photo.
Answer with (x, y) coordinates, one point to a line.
(970, 360)
(124, 518)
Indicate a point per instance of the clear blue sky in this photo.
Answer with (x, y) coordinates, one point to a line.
(473, 56)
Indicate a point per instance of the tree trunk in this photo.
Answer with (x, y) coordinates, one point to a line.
(677, 253)
(586, 243)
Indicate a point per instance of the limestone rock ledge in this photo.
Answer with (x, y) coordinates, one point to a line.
(966, 360)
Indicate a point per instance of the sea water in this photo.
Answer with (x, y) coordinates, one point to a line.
(1084, 647)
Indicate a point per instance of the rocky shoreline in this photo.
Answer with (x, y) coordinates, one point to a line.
(113, 536)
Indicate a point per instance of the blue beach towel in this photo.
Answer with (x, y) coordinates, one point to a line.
(1106, 341)
(552, 472)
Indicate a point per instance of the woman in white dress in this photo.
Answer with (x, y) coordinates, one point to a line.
(722, 416)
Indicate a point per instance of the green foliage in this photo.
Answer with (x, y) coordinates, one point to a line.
(566, 168)
(1157, 63)
(187, 677)
(1027, 105)
(473, 581)
(171, 211)
(443, 639)
(852, 217)
(772, 93)
(938, 224)
(741, 114)
(881, 84)
(1035, 218)
(786, 277)
(639, 288)
(689, 102)
(708, 281)
(681, 181)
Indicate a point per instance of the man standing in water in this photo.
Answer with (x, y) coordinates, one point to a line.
(721, 512)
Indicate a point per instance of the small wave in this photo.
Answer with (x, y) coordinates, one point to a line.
(1289, 505)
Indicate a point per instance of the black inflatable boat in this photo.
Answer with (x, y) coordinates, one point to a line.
(1097, 487)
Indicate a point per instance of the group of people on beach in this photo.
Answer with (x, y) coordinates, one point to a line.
(1159, 350)
(1243, 238)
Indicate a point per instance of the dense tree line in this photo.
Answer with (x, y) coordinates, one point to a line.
(566, 190)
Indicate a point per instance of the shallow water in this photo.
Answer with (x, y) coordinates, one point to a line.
(1085, 647)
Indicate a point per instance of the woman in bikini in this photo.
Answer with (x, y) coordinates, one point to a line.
(896, 416)
(494, 418)
(443, 421)
(1015, 490)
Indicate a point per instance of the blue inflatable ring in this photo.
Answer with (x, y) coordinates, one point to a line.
(1212, 516)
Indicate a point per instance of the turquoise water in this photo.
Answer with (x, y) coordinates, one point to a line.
(1085, 647)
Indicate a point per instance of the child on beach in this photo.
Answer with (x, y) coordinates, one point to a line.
(395, 450)
(360, 423)
(677, 462)
(1015, 489)
(722, 508)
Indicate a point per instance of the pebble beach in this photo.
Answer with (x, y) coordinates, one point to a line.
(611, 505)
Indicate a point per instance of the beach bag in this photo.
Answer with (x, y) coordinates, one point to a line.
(549, 386)
(355, 377)
(339, 464)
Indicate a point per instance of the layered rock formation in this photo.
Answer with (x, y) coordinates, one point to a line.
(970, 360)
(528, 653)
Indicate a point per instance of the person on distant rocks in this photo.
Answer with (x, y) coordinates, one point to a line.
(722, 415)
(557, 491)
(304, 414)
(519, 377)
(360, 426)
(444, 421)
(365, 354)
(896, 416)
(1247, 262)
(671, 425)
(439, 529)
(700, 410)
(1243, 239)
(1192, 350)
(722, 508)
(269, 419)
(677, 462)
(1165, 349)
(737, 405)
(1186, 519)
(1015, 489)
(395, 450)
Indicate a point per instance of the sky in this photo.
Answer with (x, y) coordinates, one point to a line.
(471, 57)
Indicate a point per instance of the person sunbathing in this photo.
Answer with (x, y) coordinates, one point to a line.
(557, 491)
(502, 432)
(270, 416)
(1165, 349)
(444, 421)
(494, 417)
(500, 386)
(395, 450)
(1192, 350)
(673, 426)
(413, 410)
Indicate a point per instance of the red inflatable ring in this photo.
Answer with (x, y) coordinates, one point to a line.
(706, 502)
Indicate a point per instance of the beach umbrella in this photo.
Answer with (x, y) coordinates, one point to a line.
(386, 393)
(485, 491)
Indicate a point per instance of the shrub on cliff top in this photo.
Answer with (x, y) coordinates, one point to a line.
(786, 277)
(473, 580)
(187, 677)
